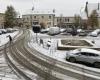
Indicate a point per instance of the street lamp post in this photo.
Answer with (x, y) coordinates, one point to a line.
(53, 16)
(31, 19)
(61, 20)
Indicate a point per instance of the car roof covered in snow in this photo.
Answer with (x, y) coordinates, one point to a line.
(86, 50)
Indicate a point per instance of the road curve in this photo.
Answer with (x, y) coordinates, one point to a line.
(44, 66)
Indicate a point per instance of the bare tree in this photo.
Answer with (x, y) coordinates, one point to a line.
(43, 25)
(77, 20)
(93, 19)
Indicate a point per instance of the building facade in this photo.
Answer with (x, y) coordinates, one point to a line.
(19, 22)
(64, 22)
(89, 8)
(46, 19)
(1, 20)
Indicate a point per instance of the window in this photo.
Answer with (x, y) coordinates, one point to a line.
(23, 19)
(42, 17)
(27, 18)
(92, 54)
(65, 19)
(35, 23)
(49, 23)
(84, 54)
(49, 17)
(34, 17)
(89, 54)
(57, 20)
(78, 53)
(68, 19)
(60, 20)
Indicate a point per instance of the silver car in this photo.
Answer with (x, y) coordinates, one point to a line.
(84, 55)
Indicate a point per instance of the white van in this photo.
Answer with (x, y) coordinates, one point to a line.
(54, 30)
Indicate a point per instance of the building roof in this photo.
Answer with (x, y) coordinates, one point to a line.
(90, 8)
(30, 12)
(64, 16)
(93, 6)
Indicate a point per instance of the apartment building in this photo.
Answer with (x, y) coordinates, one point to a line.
(64, 22)
(39, 17)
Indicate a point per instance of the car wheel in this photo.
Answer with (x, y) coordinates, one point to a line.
(97, 64)
(72, 59)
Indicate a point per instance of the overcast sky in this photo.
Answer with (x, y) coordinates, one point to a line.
(65, 7)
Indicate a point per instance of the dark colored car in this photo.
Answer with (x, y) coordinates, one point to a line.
(74, 32)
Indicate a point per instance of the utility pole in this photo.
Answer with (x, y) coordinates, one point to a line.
(81, 17)
(31, 18)
(53, 17)
(61, 20)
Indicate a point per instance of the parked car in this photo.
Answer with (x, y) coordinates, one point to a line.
(3, 31)
(65, 33)
(84, 55)
(0, 32)
(72, 31)
(44, 30)
(82, 33)
(95, 33)
(69, 30)
(62, 30)
(79, 30)
(9, 30)
(15, 29)
(54, 31)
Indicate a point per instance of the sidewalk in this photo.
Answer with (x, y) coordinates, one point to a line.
(5, 72)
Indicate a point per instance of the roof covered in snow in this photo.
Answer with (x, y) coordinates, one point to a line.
(86, 50)
(90, 8)
(30, 11)
(93, 6)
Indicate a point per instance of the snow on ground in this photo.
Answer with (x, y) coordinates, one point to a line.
(4, 39)
(5, 72)
(52, 50)
(49, 51)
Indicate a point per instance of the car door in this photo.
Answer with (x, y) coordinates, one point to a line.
(92, 58)
(83, 56)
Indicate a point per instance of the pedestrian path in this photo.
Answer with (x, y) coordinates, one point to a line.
(5, 72)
